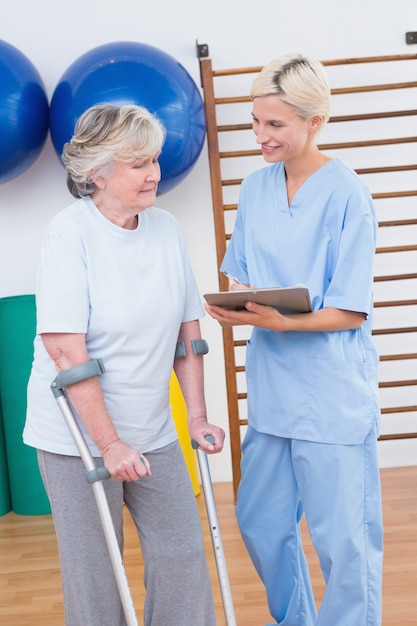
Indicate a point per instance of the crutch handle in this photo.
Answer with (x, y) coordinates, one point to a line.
(98, 473)
(208, 438)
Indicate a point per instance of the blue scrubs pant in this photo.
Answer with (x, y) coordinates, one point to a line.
(337, 487)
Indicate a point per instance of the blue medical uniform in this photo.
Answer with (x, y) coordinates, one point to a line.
(313, 407)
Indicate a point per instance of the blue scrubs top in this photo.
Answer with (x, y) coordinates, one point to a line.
(316, 386)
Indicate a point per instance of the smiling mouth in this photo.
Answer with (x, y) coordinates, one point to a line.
(266, 148)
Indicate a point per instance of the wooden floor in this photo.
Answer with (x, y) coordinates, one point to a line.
(30, 592)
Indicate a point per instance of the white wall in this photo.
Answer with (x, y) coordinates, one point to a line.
(238, 33)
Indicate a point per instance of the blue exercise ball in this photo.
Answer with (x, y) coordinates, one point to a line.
(135, 73)
(24, 113)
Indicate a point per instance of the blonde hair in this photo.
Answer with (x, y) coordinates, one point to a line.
(105, 133)
(297, 80)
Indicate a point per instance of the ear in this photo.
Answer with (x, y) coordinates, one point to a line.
(316, 122)
(98, 180)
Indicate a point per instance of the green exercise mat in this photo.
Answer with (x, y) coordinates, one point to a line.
(17, 331)
(5, 502)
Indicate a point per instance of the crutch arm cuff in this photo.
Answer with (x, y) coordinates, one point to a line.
(180, 350)
(208, 438)
(76, 375)
(198, 346)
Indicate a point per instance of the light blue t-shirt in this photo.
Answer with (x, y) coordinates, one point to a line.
(129, 291)
(317, 386)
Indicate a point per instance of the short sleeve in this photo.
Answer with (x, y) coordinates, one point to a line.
(351, 285)
(234, 262)
(62, 302)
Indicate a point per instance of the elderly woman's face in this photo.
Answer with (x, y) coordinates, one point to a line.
(131, 187)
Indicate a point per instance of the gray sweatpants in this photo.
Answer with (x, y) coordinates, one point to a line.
(165, 512)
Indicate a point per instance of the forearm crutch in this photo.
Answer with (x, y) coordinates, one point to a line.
(215, 533)
(94, 476)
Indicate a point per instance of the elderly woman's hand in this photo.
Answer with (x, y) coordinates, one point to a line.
(124, 462)
(200, 429)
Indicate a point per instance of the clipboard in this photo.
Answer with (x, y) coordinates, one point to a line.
(286, 299)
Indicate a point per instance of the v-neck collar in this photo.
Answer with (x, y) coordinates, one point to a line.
(282, 186)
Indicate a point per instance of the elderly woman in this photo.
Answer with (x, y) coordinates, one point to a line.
(115, 283)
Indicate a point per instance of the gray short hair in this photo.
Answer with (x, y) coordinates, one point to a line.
(105, 133)
(297, 80)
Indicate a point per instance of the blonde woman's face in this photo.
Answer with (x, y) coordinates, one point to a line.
(282, 134)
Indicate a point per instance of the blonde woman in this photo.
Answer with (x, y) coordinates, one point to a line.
(313, 408)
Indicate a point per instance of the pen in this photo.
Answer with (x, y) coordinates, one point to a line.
(232, 279)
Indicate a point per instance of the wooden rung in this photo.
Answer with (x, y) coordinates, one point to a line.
(239, 343)
(327, 62)
(240, 153)
(411, 222)
(367, 143)
(398, 357)
(395, 331)
(385, 169)
(374, 59)
(237, 71)
(397, 436)
(231, 100)
(389, 277)
(358, 117)
(399, 409)
(395, 194)
(231, 181)
(397, 383)
(230, 207)
(367, 88)
(388, 303)
(225, 128)
(242, 396)
(409, 248)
